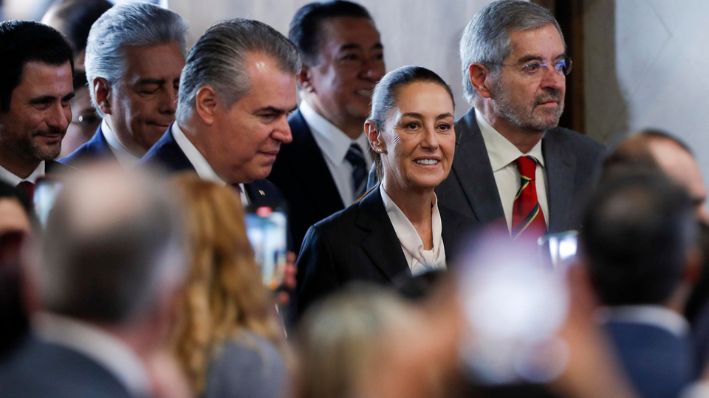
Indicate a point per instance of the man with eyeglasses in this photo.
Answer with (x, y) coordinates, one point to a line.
(512, 162)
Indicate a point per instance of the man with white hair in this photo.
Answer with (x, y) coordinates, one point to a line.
(134, 57)
(110, 271)
(512, 162)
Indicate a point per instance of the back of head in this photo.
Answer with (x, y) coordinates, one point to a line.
(486, 38)
(73, 18)
(22, 42)
(635, 152)
(110, 248)
(638, 231)
(218, 60)
(128, 25)
(306, 26)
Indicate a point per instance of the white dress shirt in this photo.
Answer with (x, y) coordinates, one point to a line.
(201, 165)
(10, 178)
(103, 348)
(334, 145)
(419, 260)
(655, 315)
(503, 154)
(124, 156)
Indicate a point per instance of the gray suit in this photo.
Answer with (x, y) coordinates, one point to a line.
(571, 160)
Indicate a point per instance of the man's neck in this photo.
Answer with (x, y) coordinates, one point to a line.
(125, 139)
(352, 127)
(17, 165)
(522, 138)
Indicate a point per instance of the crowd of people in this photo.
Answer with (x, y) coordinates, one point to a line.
(423, 256)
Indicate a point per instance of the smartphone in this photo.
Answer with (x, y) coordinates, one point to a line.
(45, 194)
(558, 249)
(266, 230)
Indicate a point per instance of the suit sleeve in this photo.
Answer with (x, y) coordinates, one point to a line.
(316, 275)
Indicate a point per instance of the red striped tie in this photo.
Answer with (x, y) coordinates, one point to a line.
(527, 215)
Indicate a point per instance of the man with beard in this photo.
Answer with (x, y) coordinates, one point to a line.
(324, 169)
(35, 101)
(511, 159)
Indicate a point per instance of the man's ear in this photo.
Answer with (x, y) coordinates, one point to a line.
(103, 95)
(304, 78)
(374, 136)
(206, 103)
(481, 78)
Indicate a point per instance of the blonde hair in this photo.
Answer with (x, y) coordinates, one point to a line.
(223, 293)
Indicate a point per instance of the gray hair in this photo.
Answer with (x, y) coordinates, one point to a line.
(217, 60)
(112, 246)
(131, 24)
(486, 38)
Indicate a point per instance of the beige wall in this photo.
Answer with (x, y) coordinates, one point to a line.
(420, 32)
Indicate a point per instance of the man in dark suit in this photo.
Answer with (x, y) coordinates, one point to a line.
(105, 285)
(236, 90)
(134, 57)
(35, 95)
(639, 247)
(323, 170)
(514, 73)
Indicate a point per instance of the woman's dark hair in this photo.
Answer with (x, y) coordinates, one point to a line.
(385, 96)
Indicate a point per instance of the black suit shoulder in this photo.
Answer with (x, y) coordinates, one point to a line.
(96, 148)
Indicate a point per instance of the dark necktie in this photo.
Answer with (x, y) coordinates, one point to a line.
(355, 157)
(27, 188)
(527, 216)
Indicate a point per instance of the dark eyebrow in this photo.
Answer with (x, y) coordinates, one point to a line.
(69, 96)
(47, 99)
(352, 46)
(444, 115)
(273, 109)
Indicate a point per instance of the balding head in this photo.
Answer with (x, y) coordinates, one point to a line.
(110, 249)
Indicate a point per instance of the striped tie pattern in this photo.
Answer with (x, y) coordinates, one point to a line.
(527, 216)
(355, 157)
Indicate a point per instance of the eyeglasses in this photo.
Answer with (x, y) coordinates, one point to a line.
(534, 68)
(90, 118)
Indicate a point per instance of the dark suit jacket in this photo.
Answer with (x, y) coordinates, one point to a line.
(94, 149)
(360, 244)
(302, 175)
(658, 363)
(167, 155)
(41, 369)
(571, 161)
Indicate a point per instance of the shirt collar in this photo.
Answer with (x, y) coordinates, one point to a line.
(199, 162)
(655, 315)
(333, 142)
(500, 150)
(7, 176)
(96, 344)
(124, 156)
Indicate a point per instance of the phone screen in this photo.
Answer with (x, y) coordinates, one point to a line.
(266, 229)
(45, 193)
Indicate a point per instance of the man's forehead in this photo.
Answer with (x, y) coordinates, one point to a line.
(38, 76)
(536, 41)
(351, 30)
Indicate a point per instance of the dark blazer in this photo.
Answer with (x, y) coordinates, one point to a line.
(657, 363)
(167, 155)
(571, 161)
(360, 244)
(42, 369)
(94, 149)
(302, 175)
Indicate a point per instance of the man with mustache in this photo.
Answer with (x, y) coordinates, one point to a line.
(134, 57)
(236, 91)
(512, 162)
(324, 169)
(35, 101)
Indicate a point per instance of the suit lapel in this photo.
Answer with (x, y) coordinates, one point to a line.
(381, 243)
(473, 170)
(560, 166)
(316, 173)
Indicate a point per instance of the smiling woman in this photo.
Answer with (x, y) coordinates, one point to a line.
(398, 228)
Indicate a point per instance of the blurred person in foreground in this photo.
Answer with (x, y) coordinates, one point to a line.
(134, 56)
(17, 224)
(35, 96)
(639, 246)
(73, 19)
(228, 339)
(398, 227)
(109, 270)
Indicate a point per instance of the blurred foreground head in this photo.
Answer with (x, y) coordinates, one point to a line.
(111, 249)
(639, 238)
